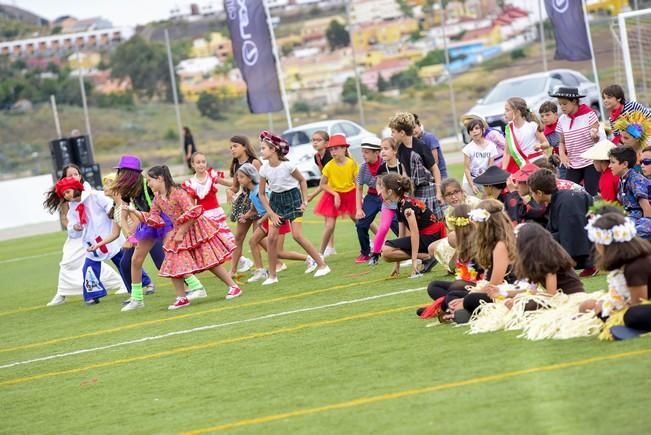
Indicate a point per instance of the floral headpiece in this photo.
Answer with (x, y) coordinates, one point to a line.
(460, 221)
(619, 233)
(479, 215)
(637, 124)
(276, 141)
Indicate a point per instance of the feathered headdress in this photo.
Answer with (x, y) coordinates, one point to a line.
(637, 124)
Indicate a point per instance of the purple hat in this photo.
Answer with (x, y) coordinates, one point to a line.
(129, 162)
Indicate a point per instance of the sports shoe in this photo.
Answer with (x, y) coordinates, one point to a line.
(57, 300)
(270, 281)
(329, 250)
(415, 275)
(133, 305)
(311, 264)
(126, 301)
(122, 291)
(244, 265)
(428, 265)
(233, 292)
(590, 271)
(149, 289)
(361, 259)
(281, 267)
(259, 275)
(407, 263)
(94, 301)
(322, 272)
(374, 260)
(181, 301)
(196, 294)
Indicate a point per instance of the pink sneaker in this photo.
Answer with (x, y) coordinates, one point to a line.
(362, 259)
(233, 292)
(180, 303)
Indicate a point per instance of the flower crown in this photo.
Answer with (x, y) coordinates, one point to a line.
(479, 215)
(619, 233)
(460, 221)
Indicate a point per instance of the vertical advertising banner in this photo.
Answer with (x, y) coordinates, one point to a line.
(569, 28)
(253, 53)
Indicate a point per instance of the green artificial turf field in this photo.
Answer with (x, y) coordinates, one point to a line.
(345, 353)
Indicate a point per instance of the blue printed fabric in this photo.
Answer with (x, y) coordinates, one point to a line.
(633, 187)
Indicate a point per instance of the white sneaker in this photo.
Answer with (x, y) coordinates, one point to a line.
(322, 272)
(270, 281)
(196, 294)
(329, 250)
(122, 291)
(311, 264)
(57, 300)
(244, 264)
(281, 267)
(133, 305)
(259, 275)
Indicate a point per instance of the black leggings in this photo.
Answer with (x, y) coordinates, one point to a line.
(588, 175)
(449, 289)
(639, 317)
(473, 300)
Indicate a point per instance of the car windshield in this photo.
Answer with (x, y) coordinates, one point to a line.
(516, 88)
(301, 137)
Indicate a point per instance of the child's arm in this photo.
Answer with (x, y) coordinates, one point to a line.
(466, 170)
(436, 172)
(506, 159)
(315, 193)
(543, 144)
(638, 294)
(360, 193)
(401, 233)
(551, 284)
(415, 239)
(500, 264)
(562, 152)
(301, 181)
(273, 217)
(646, 206)
(115, 233)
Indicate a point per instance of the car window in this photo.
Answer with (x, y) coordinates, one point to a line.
(569, 80)
(295, 138)
(337, 128)
(350, 129)
(516, 88)
(553, 83)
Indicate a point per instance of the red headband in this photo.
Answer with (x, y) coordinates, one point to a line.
(278, 142)
(67, 183)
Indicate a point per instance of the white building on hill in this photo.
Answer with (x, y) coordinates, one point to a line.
(366, 11)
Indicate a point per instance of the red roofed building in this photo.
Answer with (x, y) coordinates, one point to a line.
(386, 69)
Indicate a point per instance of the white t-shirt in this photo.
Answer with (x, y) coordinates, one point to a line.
(279, 178)
(480, 156)
(526, 136)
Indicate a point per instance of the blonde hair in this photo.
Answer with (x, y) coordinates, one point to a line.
(403, 121)
(392, 143)
(497, 228)
(520, 105)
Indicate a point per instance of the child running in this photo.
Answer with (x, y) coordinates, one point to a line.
(194, 244)
(338, 184)
(286, 202)
(322, 156)
(370, 205)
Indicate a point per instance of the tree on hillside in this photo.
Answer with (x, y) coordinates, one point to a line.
(145, 64)
(382, 83)
(349, 91)
(337, 35)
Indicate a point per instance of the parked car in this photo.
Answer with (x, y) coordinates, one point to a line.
(300, 143)
(535, 89)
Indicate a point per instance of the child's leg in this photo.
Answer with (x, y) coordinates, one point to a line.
(272, 250)
(140, 252)
(125, 268)
(240, 235)
(179, 288)
(371, 206)
(93, 287)
(221, 273)
(254, 244)
(392, 255)
(156, 253)
(288, 255)
(297, 232)
(386, 218)
(328, 231)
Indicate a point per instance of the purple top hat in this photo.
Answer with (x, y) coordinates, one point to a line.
(129, 162)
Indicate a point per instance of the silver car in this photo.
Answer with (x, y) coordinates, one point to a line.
(534, 88)
(300, 144)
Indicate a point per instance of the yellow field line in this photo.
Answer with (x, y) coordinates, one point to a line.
(231, 306)
(22, 310)
(416, 391)
(207, 345)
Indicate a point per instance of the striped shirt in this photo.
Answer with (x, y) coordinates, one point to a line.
(365, 176)
(577, 137)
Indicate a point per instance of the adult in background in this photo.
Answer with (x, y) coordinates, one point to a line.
(579, 129)
(189, 147)
(433, 143)
(616, 103)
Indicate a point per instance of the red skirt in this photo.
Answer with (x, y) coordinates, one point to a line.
(348, 204)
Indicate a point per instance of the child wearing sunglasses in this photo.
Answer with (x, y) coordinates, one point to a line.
(645, 162)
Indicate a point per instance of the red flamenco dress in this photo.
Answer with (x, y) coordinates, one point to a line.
(203, 246)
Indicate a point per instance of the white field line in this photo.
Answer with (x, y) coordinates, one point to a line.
(207, 327)
(29, 257)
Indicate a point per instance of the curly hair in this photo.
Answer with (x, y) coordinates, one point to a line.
(539, 254)
(497, 228)
(403, 121)
(464, 234)
(616, 255)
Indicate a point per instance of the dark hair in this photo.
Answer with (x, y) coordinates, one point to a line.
(616, 254)
(474, 123)
(624, 153)
(449, 182)
(614, 91)
(520, 105)
(128, 184)
(324, 134)
(397, 183)
(244, 141)
(465, 241)
(416, 119)
(548, 106)
(52, 200)
(539, 254)
(499, 186)
(542, 180)
(163, 171)
(646, 149)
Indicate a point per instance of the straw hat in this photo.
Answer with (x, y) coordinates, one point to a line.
(598, 151)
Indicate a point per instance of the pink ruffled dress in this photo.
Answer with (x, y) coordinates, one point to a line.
(203, 246)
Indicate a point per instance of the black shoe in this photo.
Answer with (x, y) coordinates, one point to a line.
(375, 259)
(428, 265)
(420, 311)
(461, 316)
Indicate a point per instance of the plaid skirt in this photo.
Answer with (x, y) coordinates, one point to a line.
(286, 204)
(427, 194)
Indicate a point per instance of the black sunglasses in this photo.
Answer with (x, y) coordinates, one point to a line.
(645, 162)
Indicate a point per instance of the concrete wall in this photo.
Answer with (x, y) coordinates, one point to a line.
(22, 202)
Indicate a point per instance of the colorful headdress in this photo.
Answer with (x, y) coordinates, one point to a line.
(276, 141)
(637, 124)
(479, 215)
(458, 221)
(619, 233)
(67, 183)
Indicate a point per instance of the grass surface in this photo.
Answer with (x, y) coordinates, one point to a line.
(365, 367)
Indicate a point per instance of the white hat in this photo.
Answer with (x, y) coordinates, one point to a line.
(599, 151)
(371, 143)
